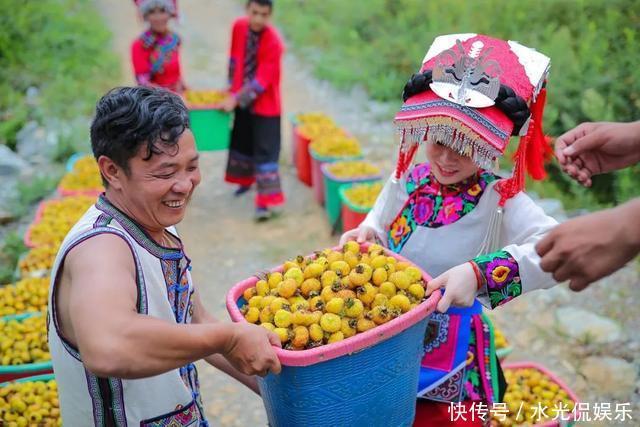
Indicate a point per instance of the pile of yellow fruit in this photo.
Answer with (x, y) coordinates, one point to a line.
(26, 295)
(363, 195)
(85, 176)
(38, 261)
(24, 341)
(33, 403)
(333, 295)
(335, 145)
(529, 388)
(313, 126)
(57, 219)
(353, 169)
(200, 98)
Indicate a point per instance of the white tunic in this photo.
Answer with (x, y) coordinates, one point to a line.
(164, 291)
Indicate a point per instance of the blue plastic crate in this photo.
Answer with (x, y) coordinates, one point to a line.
(372, 387)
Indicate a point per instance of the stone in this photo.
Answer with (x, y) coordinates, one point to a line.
(611, 376)
(36, 144)
(589, 327)
(11, 164)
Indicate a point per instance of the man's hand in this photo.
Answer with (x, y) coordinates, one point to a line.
(588, 248)
(460, 285)
(229, 103)
(250, 350)
(596, 148)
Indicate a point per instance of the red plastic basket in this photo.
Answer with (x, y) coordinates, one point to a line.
(303, 158)
(350, 218)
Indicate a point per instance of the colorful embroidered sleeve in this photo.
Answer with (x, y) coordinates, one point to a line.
(501, 276)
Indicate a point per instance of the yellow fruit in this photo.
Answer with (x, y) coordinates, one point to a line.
(262, 287)
(335, 337)
(279, 303)
(379, 276)
(298, 303)
(367, 293)
(316, 303)
(310, 285)
(330, 322)
(335, 144)
(353, 169)
(283, 334)
(300, 337)
(401, 302)
(351, 259)
(340, 267)
(402, 265)
(413, 273)
(378, 262)
(288, 287)
(375, 248)
(288, 265)
(379, 314)
(266, 301)
(296, 274)
(328, 278)
(313, 270)
(327, 293)
(360, 275)
(268, 326)
(322, 261)
(380, 300)
(352, 247)
(400, 279)
(345, 294)
(335, 305)
(388, 289)
(266, 315)
(252, 315)
(333, 256)
(255, 302)
(353, 307)
(249, 293)
(315, 332)
(364, 324)
(282, 318)
(348, 328)
(363, 195)
(274, 278)
(417, 291)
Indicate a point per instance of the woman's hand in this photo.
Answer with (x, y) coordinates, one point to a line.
(361, 234)
(460, 285)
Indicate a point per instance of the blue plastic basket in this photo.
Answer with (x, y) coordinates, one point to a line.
(373, 387)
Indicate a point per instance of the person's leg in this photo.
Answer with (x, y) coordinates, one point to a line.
(240, 167)
(266, 156)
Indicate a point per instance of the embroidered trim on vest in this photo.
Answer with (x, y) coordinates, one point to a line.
(183, 416)
(138, 234)
(434, 205)
(107, 399)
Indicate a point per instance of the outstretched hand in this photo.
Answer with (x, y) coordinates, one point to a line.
(460, 285)
(361, 234)
(596, 148)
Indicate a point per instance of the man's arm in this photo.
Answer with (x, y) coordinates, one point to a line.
(201, 315)
(114, 340)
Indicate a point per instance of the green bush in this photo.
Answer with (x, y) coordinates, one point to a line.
(592, 44)
(59, 46)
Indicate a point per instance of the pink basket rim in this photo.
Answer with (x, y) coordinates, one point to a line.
(350, 345)
(552, 376)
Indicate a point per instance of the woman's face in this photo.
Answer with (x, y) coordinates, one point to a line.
(158, 20)
(447, 166)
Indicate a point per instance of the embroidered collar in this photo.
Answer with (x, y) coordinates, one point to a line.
(421, 179)
(151, 39)
(138, 233)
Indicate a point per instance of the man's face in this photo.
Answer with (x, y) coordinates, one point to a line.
(259, 16)
(158, 190)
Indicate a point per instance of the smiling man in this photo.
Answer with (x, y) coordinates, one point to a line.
(125, 321)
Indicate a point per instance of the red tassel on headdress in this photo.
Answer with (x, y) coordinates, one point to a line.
(533, 151)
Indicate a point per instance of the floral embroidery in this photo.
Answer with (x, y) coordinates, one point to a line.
(188, 415)
(502, 276)
(433, 205)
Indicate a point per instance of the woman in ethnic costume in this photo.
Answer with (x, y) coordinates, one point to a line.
(155, 54)
(471, 230)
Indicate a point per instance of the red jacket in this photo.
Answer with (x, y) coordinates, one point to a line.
(167, 76)
(267, 77)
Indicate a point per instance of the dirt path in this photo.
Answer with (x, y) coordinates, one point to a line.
(227, 246)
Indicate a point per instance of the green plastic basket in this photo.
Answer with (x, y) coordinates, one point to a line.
(332, 202)
(34, 378)
(211, 128)
(13, 372)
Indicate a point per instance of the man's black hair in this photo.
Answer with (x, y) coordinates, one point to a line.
(128, 118)
(261, 3)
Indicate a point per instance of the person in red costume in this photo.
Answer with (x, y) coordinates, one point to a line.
(155, 54)
(254, 79)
